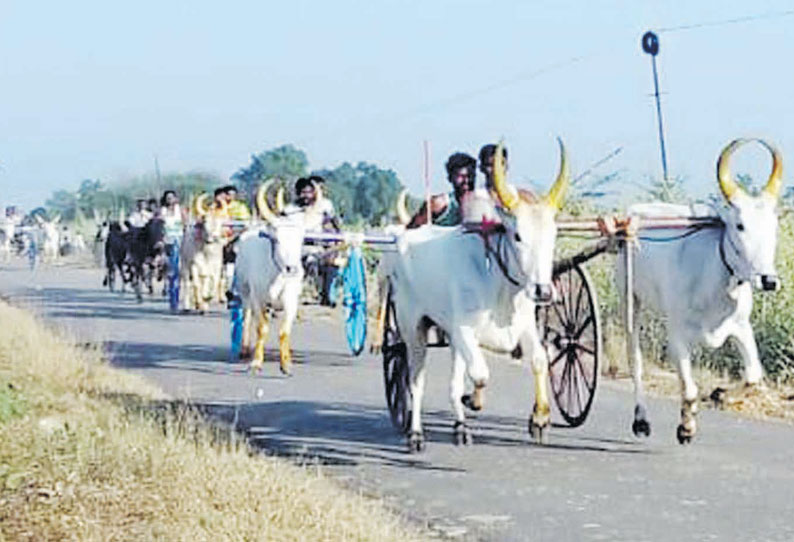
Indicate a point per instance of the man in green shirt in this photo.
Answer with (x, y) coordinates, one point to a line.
(445, 208)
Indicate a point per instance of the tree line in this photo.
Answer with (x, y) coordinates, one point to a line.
(363, 194)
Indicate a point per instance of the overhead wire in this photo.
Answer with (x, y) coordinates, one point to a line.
(724, 22)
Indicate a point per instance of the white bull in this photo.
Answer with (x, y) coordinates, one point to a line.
(51, 238)
(481, 290)
(702, 283)
(269, 277)
(201, 257)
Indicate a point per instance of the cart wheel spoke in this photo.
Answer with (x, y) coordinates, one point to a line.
(573, 330)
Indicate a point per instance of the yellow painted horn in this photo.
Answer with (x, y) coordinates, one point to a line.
(261, 202)
(728, 185)
(402, 210)
(775, 182)
(506, 196)
(556, 194)
(199, 205)
(280, 202)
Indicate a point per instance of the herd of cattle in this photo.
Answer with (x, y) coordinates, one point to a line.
(481, 285)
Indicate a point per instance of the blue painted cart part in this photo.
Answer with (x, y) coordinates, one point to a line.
(236, 329)
(354, 301)
(236, 319)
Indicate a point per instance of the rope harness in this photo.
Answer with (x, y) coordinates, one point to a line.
(499, 253)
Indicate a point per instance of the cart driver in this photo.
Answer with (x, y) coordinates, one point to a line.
(446, 208)
(318, 216)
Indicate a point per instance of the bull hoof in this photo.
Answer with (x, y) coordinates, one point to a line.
(684, 435)
(462, 434)
(641, 428)
(539, 431)
(416, 442)
(468, 402)
(285, 371)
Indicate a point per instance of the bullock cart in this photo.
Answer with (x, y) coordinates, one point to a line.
(569, 325)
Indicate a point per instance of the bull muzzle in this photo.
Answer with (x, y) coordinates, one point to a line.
(541, 293)
(770, 283)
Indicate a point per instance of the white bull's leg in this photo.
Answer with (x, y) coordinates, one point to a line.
(457, 383)
(245, 349)
(416, 352)
(745, 341)
(262, 329)
(186, 288)
(640, 426)
(466, 350)
(540, 420)
(290, 295)
(679, 352)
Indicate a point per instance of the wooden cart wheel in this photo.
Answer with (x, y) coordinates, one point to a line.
(395, 371)
(570, 330)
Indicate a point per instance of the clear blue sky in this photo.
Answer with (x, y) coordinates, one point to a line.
(94, 89)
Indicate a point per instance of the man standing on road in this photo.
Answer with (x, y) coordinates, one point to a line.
(173, 223)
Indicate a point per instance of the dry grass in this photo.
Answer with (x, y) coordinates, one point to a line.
(76, 466)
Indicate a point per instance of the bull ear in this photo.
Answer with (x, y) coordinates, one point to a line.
(556, 195)
(38, 218)
(56, 219)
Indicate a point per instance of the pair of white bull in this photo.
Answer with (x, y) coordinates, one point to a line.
(486, 296)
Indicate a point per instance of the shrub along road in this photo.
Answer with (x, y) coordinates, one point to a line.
(596, 482)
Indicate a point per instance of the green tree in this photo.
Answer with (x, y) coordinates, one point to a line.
(63, 203)
(285, 162)
(362, 194)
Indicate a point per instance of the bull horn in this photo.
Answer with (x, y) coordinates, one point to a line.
(402, 211)
(775, 182)
(261, 202)
(506, 196)
(556, 195)
(199, 209)
(280, 201)
(728, 185)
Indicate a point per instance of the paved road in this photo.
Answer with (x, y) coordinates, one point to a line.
(592, 483)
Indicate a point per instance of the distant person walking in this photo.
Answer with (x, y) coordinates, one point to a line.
(174, 225)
